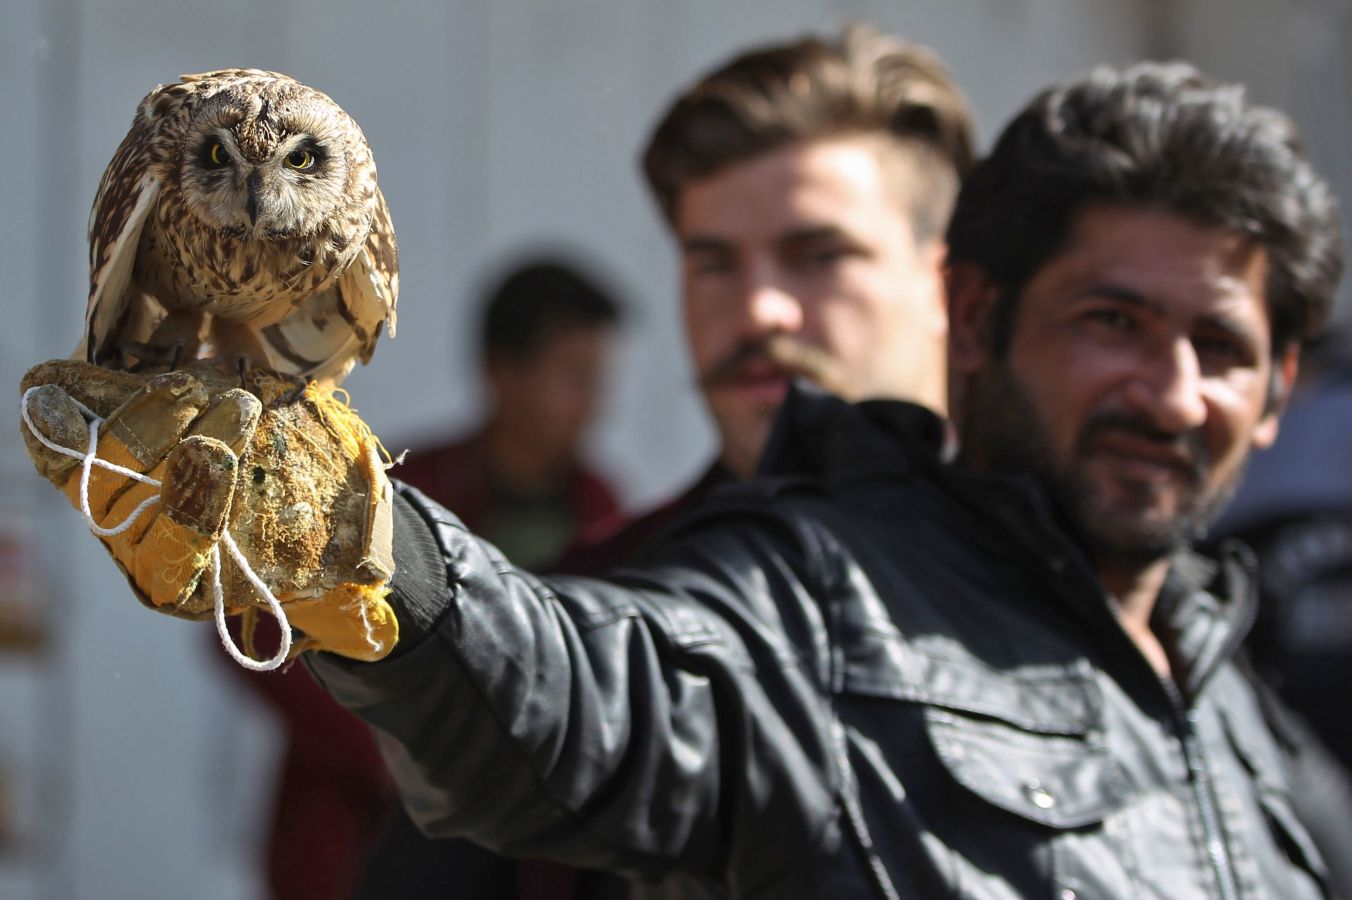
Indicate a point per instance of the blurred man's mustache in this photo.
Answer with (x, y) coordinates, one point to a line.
(785, 353)
(1188, 448)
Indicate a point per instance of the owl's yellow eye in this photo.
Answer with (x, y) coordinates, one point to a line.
(301, 160)
(217, 155)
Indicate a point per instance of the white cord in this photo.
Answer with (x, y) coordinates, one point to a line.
(218, 594)
(89, 459)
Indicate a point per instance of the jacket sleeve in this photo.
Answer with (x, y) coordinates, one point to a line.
(668, 717)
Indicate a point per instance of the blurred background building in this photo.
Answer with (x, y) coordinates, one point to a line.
(129, 767)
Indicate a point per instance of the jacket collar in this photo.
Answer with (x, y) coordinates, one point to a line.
(1204, 612)
(821, 436)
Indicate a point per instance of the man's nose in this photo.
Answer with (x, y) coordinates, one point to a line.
(770, 308)
(1171, 389)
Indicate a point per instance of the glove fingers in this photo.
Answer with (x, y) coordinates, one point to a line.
(55, 414)
(117, 506)
(167, 552)
(171, 430)
(198, 483)
(231, 419)
(138, 436)
(102, 390)
(202, 475)
(145, 428)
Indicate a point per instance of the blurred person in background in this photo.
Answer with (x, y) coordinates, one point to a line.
(547, 330)
(807, 185)
(519, 480)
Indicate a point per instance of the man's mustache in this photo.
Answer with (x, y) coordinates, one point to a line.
(1188, 448)
(785, 353)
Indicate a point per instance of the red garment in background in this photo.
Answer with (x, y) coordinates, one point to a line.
(332, 796)
(613, 544)
(456, 475)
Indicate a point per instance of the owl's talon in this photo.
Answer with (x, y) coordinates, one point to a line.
(176, 356)
(299, 390)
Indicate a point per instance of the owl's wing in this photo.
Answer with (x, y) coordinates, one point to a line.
(126, 195)
(381, 255)
(326, 335)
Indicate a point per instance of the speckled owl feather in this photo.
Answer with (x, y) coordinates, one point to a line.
(240, 221)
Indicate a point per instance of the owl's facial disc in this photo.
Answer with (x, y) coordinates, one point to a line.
(265, 178)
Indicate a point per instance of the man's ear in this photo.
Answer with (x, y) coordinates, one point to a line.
(971, 302)
(1285, 368)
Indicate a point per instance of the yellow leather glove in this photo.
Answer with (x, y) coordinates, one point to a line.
(291, 484)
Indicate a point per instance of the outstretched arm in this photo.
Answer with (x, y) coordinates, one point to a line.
(654, 721)
(673, 717)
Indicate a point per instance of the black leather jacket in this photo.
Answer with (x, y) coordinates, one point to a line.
(866, 675)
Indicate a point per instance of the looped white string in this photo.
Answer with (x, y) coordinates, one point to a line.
(89, 459)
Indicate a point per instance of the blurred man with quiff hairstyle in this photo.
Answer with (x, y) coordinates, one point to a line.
(807, 185)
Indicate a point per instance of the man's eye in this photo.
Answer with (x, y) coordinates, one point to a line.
(827, 254)
(711, 265)
(1113, 319)
(818, 257)
(1220, 348)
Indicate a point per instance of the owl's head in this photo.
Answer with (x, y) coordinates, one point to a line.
(268, 158)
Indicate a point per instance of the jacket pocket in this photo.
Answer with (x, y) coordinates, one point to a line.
(1027, 740)
(1007, 767)
(1057, 776)
(1042, 759)
(1060, 781)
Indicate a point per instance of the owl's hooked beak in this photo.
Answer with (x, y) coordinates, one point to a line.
(254, 185)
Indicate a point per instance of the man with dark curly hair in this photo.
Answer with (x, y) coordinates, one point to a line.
(872, 672)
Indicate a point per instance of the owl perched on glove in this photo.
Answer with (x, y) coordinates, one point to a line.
(240, 222)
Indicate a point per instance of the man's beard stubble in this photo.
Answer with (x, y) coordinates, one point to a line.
(1002, 431)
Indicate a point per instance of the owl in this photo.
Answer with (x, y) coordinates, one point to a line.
(240, 222)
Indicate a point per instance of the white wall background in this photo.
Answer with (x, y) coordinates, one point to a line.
(495, 125)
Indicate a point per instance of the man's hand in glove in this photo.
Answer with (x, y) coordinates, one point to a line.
(295, 480)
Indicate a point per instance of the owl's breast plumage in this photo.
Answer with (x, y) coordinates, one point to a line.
(187, 264)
